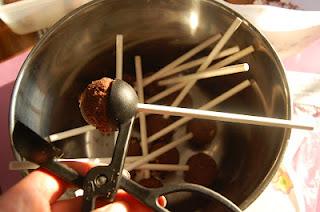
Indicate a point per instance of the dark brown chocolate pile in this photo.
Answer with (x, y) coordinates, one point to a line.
(203, 132)
(134, 148)
(151, 182)
(202, 170)
(93, 104)
(170, 157)
(155, 123)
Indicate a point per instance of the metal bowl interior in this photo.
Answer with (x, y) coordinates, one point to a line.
(81, 48)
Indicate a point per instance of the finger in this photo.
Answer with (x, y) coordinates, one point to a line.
(121, 193)
(126, 202)
(162, 201)
(81, 167)
(33, 193)
(41, 182)
(120, 206)
(73, 204)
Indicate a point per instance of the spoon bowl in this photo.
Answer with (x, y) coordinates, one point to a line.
(123, 101)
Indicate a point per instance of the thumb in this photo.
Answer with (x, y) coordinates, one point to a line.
(119, 206)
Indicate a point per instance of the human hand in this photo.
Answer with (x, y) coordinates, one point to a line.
(40, 191)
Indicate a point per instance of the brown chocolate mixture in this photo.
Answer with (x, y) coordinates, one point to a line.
(93, 105)
(203, 132)
(134, 148)
(151, 182)
(155, 123)
(202, 170)
(169, 157)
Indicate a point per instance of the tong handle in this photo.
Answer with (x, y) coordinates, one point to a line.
(150, 196)
(145, 195)
(104, 180)
(66, 173)
(121, 146)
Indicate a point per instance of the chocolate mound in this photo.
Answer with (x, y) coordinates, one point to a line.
(170, 157)
(155, 123)
(203, 132)
(151, 182)
(93, 104)
(134, 148)
(202, 170)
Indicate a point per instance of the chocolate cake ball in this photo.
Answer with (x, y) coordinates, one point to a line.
(202, 170)
(203, 132)
(134, 148)
(151, 182)
(155, 123)
(93, 104)
(170, 157)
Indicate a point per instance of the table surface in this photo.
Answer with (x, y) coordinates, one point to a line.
(294, 188)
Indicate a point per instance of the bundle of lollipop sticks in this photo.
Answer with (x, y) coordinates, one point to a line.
(174, 76)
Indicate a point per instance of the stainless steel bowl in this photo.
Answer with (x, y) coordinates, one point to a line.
(80, 48)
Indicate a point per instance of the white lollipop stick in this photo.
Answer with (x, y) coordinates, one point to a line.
(163, 167)
(119, 56)
(142, 116)
(207, 74)
(158, 152)
(181, 59)
(233, 58)
(215, 51)
(70, 133)
(177, 87)
(107, 160)
(22, 165)
(199, 61)
(221, 116)
(206, 106)
(165, 93)
(220, 64)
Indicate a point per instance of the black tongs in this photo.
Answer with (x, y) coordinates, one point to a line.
(101, 181)
(104, 181)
